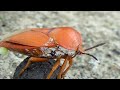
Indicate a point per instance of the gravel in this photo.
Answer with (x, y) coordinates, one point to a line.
(95, 27)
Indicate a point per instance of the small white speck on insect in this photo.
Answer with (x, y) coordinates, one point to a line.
(27, 50)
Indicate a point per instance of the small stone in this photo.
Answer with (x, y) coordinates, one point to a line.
(108, 55)
(37, 70)
(39, 25)
(3, 25)
(116, 51)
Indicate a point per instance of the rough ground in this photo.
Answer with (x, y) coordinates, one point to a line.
(95, 27)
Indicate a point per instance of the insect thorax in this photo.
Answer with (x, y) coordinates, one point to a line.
(51, 52)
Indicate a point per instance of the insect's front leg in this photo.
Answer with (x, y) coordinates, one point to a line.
(70, 64)
(62, 69)
(32, 59)
(54, 67)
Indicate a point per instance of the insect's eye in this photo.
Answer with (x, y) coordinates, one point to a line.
(52, 53)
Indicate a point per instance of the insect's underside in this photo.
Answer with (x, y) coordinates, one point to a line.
(50, 52)
(56, 53)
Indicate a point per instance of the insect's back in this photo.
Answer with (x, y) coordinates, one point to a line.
(67, 37)
(36, 38)
(29, 38)
(27, 42)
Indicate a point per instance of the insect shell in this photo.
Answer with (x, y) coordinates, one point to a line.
(37, 42)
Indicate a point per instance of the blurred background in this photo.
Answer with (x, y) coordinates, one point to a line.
(95, 26)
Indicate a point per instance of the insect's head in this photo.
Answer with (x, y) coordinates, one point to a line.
(78, 52)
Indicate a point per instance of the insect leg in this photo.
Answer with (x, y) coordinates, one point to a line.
(62, 69)
(54, 68)
(70, 64)
(32, 59)
(76, 51)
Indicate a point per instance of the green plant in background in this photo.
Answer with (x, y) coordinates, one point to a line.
(3, 51)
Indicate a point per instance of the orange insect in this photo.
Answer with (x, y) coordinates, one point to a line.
(42, 44)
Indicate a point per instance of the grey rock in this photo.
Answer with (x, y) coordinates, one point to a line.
(38, 70)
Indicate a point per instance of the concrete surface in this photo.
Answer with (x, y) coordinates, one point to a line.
(95, 27)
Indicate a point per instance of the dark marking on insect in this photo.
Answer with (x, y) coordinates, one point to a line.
(53, 53)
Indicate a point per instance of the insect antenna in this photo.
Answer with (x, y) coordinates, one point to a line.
(90, 55)
(94, 46)
(78, 52)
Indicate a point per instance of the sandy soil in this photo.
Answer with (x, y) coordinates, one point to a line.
(95, 27)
